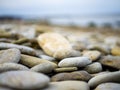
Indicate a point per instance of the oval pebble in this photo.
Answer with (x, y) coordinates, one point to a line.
(12, 66)
(23, 80)
(74, 62)
(10, 55)
(68, 85)
(103, 78)
(43, 68)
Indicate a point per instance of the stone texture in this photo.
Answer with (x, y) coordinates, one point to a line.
(31, 61)
(111, 61)
(12, 67)
(115, 51)
(66, 69)
(108, 86)
(10, 55)
(55, 45)
(93, 55)
(43, 68)
(77, 75)
(74, 62)
(103, 78)
(94, 68)
(23, 80)
(68, 85)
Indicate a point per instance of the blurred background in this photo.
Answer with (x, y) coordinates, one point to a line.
(73, 13)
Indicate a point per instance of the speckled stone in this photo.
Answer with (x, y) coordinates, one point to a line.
(93, 55)
(10, 55)
(23, 80)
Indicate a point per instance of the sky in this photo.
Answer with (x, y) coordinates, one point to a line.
(58, 7)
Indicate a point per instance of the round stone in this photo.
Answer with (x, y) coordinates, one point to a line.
(111, 61)
(43, 68)
(115, 51)
(23, 80)
(93, 55)
(94, 68)
(103, 78)
(74, 62)
(10, 55)
(11, 67)
(68, 85)
(56, 47)
(108, 86)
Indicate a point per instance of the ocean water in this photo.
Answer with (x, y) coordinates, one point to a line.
(84, 21)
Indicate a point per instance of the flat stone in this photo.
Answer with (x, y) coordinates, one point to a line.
(56, 47)
(93, 55)
(23, 49)
(10, 55)
(111, 61)
(31, 61)
(94, 68)
(12, 67)
(66, 69)
(47, 57)
(23, 80)
(43, 68)
(74, 62)
(103, 78)
(77, 75)
(108, 86)
(68, 85)
(115, 51)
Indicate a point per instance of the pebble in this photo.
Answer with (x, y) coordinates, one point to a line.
(100, 47)
(31, 61)
(111, 61)
(115, 51)
(23, 80)
(66, 69)
(43, 68)
(74, 62)
(11, 67)
(77, 75)
(103, 78)
(93, 55)
(10, 55)
(56, 47)
(23, 49)
(47, 57)
(93, 68)
(68, 85)
(108, 86)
